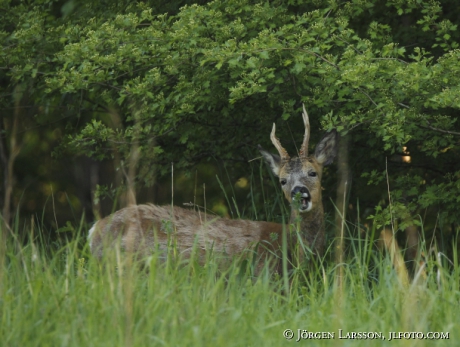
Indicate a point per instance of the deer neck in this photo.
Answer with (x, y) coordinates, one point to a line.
(311, 227)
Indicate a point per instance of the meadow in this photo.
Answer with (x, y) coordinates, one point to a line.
(56, 294)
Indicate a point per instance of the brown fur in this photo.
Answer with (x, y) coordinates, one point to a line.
(145, 229)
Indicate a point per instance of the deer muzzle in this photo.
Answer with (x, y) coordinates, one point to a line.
(301, 197)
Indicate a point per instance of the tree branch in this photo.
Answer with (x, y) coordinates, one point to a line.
(439, 130)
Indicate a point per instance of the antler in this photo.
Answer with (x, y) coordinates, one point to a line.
(276, 142)
(306, 137)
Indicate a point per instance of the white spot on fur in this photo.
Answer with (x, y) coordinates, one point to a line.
(90, 235)
(91, 231)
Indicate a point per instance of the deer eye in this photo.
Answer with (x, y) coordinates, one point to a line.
(283, 181)
(312, 174)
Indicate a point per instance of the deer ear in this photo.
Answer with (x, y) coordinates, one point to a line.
(326, 149)
(272, 159)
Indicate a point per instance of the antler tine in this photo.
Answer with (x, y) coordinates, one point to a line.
(306, 137)
(276, 142)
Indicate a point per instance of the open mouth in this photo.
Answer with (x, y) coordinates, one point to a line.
(305, 203)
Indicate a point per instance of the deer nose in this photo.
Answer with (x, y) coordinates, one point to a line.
(301, 190)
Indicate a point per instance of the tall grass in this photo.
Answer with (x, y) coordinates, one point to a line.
(55, 294)
(66, 298)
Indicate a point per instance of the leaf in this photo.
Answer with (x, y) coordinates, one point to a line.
(298, 67)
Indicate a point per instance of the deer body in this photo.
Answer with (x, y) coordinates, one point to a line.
(145, 229)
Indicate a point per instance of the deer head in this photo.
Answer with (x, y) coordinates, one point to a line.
(300, 177)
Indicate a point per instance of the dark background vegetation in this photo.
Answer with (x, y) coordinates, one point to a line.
(100, 96)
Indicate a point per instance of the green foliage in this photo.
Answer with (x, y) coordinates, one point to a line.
(207, 82)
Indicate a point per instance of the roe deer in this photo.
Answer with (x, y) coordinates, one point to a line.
(144, 229)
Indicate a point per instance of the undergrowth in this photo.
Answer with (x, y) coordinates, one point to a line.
(64, 297)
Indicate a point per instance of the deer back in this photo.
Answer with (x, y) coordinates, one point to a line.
(144, 229)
